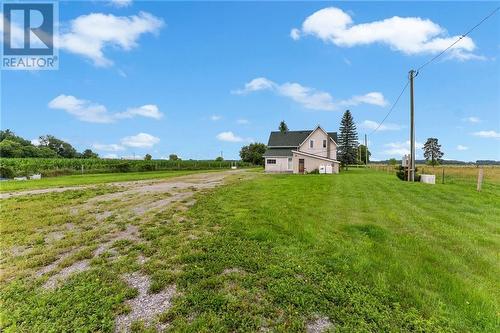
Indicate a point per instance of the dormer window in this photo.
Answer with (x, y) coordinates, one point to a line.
(311, 144)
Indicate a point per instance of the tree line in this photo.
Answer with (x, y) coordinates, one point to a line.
(14, 146)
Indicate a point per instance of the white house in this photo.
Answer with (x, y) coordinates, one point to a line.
(301, 151)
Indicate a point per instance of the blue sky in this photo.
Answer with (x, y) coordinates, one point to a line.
(199, 78)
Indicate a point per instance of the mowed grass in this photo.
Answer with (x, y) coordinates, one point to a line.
(87, 179)
(370, 252)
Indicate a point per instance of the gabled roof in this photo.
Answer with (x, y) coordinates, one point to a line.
(333, 135)
(278, 152)
(292, 138)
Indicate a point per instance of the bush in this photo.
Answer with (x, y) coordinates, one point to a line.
(147, 167)
(400, 173)
(122, 167)
(6, 172)
(314, 172)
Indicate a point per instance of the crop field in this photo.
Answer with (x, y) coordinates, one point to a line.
(243, 251)
(65, 166)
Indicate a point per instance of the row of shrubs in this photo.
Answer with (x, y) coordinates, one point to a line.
(15, 167)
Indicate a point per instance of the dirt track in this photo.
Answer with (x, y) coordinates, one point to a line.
(158, 185)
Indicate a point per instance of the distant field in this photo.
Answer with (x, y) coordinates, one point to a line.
(361, 250)
(75, 180)
(453, 173)
(66, 166)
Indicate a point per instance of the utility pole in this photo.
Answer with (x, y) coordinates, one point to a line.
(411, 170)
(366, 151)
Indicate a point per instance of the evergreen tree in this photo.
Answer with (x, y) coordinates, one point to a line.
(283, 128)
(432, 151)
(348, 140)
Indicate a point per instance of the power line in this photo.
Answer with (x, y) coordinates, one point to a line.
(392, 107)
(430, 61)
(458, 40)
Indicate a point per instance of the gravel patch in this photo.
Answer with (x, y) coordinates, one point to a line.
(131, 234)
(141, 260)
(145, 307)
(53, 265)
(319, 325)
(228, 271)
(104, 215)
(54, 236)
(17, 251)
(65, 273)
(42, 191)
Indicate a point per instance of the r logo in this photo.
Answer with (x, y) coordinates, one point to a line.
(28, 29)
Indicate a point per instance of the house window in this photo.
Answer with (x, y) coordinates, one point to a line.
(290, 166)
(324, 143)
(311, 144)
(271, 161)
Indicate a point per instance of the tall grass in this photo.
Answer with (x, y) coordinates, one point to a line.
(452, 173)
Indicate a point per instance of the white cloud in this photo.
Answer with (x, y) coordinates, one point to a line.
(111, 156)
(257, 84)
(295, 34)
(487, 134)
(372, 125)
(473, 120)
(148, 111)
(243, 121)
(35, 142)
(409, 35)
(215, 117)
(82, 109)
(141, 140)
(460, 147)
(121, 3)
(309, 98)
(132, 157)
(89, 35)
(231, 137)
(91, 112)
(400, 148)
(108, 147)
(374, 98)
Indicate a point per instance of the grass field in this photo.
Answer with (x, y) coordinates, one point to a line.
(463, 174)
(87, 179)
(363, 250)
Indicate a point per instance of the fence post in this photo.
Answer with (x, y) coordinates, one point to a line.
(479, 179)
(82, 169)
(442, 177)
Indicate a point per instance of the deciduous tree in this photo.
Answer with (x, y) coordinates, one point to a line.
(253, 153)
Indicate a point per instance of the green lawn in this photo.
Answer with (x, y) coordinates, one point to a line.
(86, 179)
(371, 253)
